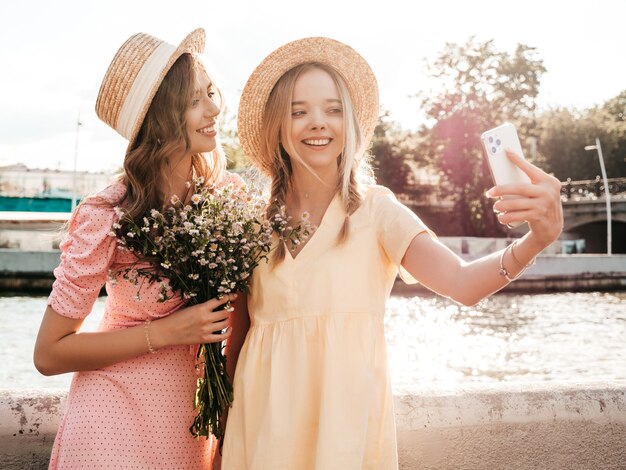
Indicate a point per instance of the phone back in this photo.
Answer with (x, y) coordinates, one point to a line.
(495, 142)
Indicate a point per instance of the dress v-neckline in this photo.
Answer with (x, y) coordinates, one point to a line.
(315, 234)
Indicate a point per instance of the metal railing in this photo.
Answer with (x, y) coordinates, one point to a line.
(591, 189)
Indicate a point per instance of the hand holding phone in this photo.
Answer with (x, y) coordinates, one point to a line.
(503, 171)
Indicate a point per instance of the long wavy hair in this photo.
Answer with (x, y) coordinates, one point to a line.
(162, 139)
(354, 168)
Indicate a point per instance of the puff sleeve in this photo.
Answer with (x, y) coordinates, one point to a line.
(86, 253)
(232, 178)
(396, 226)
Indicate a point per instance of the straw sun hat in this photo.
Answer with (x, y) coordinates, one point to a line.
(353, 68)
(134, 76)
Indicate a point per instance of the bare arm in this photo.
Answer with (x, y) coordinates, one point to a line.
(442, 271)
(61, 348)
(240, 322)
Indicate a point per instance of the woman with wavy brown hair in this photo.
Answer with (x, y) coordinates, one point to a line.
(129, 405)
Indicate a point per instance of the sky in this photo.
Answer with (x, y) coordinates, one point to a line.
(54, 55)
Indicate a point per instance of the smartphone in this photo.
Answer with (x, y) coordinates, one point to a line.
(503, 171)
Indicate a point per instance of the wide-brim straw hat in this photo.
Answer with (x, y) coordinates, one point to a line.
(353, 68)
(134, 76)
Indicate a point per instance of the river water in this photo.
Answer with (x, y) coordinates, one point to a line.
(513, 338)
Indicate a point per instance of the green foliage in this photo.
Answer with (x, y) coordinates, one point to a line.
(616, 107)
(481, 87)
(563, 134)
(475, 76)
(390, 152)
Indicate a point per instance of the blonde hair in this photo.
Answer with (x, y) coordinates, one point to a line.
(354, 168)
(163, 137)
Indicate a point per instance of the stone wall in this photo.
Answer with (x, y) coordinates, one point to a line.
(543, 425)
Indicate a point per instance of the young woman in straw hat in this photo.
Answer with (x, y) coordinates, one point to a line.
(312, 387)
(130, 404)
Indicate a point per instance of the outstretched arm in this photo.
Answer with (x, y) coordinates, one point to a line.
(538, 203)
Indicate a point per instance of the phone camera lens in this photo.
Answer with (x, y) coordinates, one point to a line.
(493, 150)
(498, 142)
(490, 140)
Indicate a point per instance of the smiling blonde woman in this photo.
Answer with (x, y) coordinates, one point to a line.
(312, 387)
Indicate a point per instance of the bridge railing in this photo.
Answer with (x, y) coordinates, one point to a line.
(591, 189)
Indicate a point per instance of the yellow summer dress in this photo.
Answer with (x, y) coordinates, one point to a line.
(312, 386)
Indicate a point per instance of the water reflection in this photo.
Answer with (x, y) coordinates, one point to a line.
(563, 336)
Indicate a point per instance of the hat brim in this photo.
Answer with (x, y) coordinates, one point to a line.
(353, 68)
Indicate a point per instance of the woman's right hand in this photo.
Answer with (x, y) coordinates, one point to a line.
(61, 348)
(198, 324)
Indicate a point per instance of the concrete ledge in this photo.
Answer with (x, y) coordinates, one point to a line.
(28, 271)
(28, 263)
(543, 425)
(28, 424)
(31, 271)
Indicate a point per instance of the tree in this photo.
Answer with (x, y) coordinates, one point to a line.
(396, 159)
(616, 107)
(480, 87)
(389, 155)
(563, 133)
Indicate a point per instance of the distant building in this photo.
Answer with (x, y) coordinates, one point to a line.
(20, 181)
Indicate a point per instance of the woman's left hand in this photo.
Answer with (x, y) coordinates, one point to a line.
(538, 203)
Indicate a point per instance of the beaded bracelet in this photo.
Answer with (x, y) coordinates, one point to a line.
(146, 330)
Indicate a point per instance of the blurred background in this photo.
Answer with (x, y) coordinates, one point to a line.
(447, 71)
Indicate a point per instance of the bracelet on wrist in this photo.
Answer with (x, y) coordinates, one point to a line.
(504, 272)
(146, 330)
(518, 262)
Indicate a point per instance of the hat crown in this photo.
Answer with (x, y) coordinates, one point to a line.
(134, 76)
(121, 75)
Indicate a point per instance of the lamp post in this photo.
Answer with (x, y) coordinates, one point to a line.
(607, 194)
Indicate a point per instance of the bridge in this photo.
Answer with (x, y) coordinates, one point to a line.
(584, 207)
